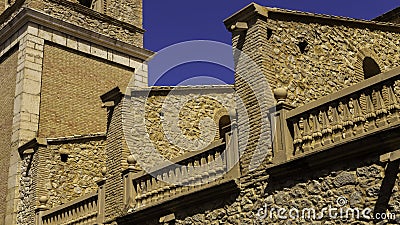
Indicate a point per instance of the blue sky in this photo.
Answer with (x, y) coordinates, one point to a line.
(173, 21)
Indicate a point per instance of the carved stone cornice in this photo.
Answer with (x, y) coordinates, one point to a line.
(27, 15)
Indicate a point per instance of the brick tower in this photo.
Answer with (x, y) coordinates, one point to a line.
(56, 58)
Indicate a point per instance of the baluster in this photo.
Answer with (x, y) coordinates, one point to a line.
(326, 129)
(358, 118)
(160, 186)
(191, 174)
(58, 219)
(298, 139)
(82, 210)
(61, 217)
(336, 125)
(153, 189)
(380, 110)
(166, 188)
(185, 179)
(204, 165)
(178, 179)
(138, 196)
(171, 180)
(394, 106)
(219, 163)
(198, 171)
(212, 166)
(144, 192)
(347, 122)
(69, 214)
(370, 113)
(59, 214)
(78, 211)
(307, 136)
(156, 188)
(316, 132)
(89, 207)
(148, 190)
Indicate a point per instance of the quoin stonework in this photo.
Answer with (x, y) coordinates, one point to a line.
(310, 124)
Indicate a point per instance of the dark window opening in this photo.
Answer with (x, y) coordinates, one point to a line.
(370, 67)
(224, 126)
(269, 33)
(302, 46)
(87, 3)
(64, 157)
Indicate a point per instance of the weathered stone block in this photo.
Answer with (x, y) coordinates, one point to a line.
(345, 178)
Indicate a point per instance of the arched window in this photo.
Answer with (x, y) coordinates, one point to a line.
(370, 67)
(224, 126)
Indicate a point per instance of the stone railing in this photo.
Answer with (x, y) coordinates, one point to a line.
(88, 209)
(190, 173)
(364, 109)
(80, 211)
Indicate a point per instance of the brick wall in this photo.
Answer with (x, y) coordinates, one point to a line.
(247, 84)
(8, 70)
(117, 154)
(71, 85)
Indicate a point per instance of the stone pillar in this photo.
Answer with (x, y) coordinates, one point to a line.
(232, 148)
(39, 210)
(101, 193)
(129, 189)
(282, 140)
(26, 107)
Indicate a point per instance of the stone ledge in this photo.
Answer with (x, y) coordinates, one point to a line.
(195, 89)
(253, 9)
(36, 18)
(75, 138)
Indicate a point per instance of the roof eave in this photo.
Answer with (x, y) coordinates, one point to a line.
(253, 9)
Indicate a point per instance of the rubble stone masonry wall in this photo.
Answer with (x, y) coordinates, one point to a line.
(358, 182)
(62, 180)
(122, 21)
(330, 61)
(179, 116)
(76, 176)
(68, 12)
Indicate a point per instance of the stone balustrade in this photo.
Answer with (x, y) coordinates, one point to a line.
(364, 109)
(80, 211)
(190, 173)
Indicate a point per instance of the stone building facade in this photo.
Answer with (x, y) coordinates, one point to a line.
(323, 133)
